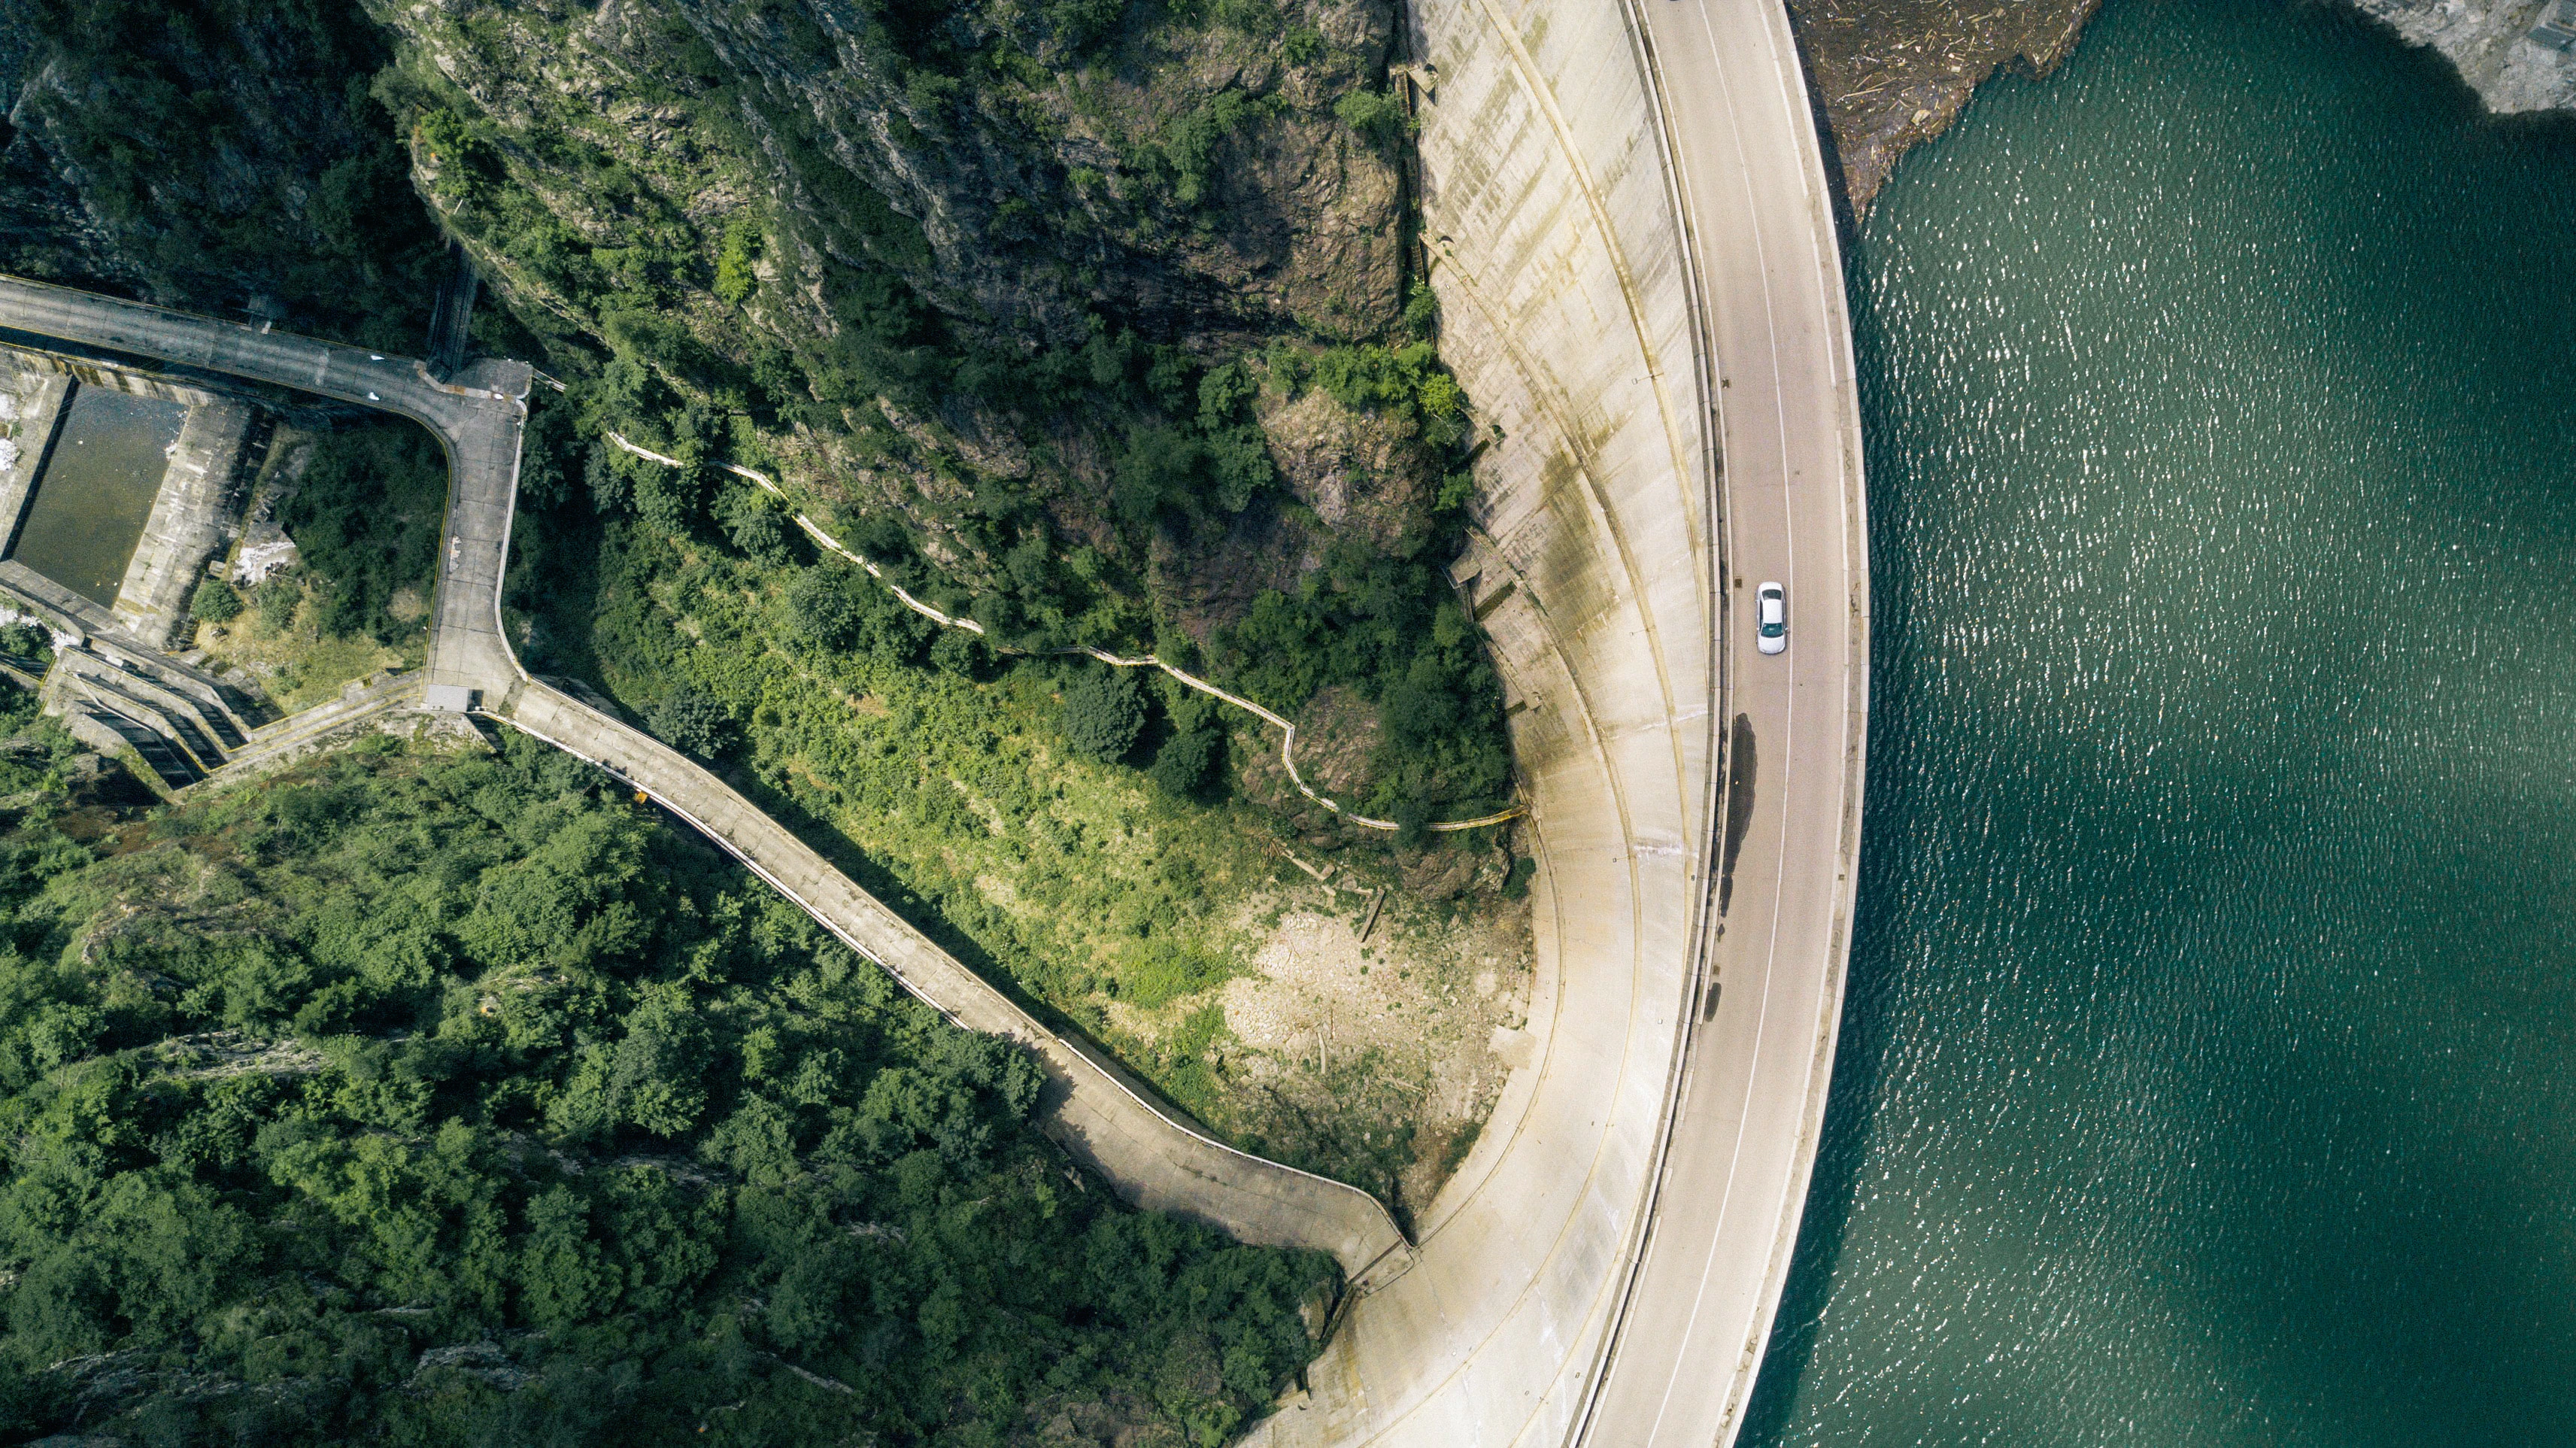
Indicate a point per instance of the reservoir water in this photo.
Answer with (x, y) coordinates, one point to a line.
(2208, 1075)
(97, 489)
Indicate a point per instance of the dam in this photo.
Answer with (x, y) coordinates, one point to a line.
(1634, 248)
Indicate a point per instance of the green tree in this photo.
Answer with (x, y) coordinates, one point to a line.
(215, 602)
(756, 525)
(1376, 115)
(1183, 765)
(693, 723)
(366, 521)
(824, 609)
(1103, 713)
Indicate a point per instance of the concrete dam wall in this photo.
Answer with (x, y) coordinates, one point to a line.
(1568, 313)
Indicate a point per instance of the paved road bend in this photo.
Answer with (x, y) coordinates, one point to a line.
(1100, 1114)
(1733, 1180)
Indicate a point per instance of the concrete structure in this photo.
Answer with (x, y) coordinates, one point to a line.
(1634, 250)
(35, 406)
(188, 519)
(199, 486)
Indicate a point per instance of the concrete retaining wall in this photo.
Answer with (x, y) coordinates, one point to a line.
(1567, 313)
(38, 398)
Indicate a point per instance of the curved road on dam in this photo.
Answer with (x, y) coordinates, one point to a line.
(1641, 287)
(1743, 1138)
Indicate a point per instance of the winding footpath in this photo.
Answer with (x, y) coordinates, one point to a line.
(1287, 730)
(1095, 1110)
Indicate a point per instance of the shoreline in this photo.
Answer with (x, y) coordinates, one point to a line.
(1892, 74)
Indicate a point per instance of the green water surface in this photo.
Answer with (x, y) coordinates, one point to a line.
(2209, 1071)
(97, 489)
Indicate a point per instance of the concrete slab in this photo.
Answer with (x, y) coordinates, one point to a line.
(187, 524)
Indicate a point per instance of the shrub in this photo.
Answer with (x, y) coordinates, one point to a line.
(215, 602)
(824, 613)
(693, 723)
(757, 527)
(278, 598)
(1103, 713)
(366, 522)
(735, 278)
(234, 1228)
(1377, 115)
(958, 652)
(1183, 764)
(671, 500)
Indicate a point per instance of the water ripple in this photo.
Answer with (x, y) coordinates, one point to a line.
(2210, 1066)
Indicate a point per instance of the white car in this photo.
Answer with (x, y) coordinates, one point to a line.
(1771, 619)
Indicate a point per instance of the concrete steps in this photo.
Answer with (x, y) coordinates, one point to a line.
(86, 676)
(357, 705)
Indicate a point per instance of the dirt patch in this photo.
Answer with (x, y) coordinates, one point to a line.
(1372, 1059)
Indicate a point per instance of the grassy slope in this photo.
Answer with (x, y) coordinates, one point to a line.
(1102, 898)
(365, 515)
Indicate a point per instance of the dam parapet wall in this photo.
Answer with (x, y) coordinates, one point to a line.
(1557, 253)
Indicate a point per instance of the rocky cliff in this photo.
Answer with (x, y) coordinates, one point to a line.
(2514, 56)
(1891, 73)
(968, 267)
(224, 156)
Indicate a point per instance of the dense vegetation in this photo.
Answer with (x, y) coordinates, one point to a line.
(458, 1100)
(366, 520)
(229, 155)
(1116, 896)
(1058, 455)
(831, 704)
(1094, 322)
(493, 1111)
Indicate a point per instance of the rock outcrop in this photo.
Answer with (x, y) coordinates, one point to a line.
(224, 157)
(2518, 55)
(1892, 73)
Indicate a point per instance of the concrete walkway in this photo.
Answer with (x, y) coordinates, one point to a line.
(1146, 1151)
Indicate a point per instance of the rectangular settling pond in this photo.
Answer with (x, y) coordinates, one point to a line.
(97, 489)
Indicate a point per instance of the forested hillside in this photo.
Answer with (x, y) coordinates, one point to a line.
(1098, 320)
(452, 1098)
